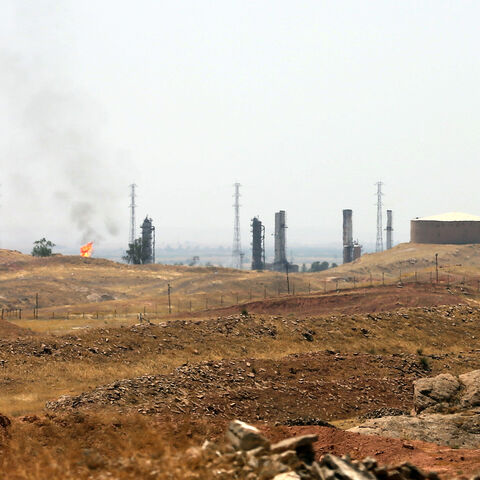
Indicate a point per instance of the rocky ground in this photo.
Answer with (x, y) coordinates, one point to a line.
(447, 412)
(325, 385)
(250, 455)
(290, 375)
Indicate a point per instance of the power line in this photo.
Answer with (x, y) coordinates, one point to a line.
(132, 213)
(237, 254)
(379, 244)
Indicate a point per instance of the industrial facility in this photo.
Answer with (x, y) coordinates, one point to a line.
(351, 250)
(447, 228)
(258, 244)
(140, 250)
(280, 262)
(389, 229)
(148, 241)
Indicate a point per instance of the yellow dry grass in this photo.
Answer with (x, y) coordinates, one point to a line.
(101, 446)
(69, 286)
(29, 381)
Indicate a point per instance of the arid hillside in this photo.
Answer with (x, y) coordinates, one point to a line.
(71, 284)
(89, 389)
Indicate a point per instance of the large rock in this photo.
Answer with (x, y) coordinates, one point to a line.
(342, 468)
(470, 396)
(245, 437)
(301, 445)
(287, 476)
(435, 393)
(459, 430)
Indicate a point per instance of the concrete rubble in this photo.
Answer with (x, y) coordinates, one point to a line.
(249, 455)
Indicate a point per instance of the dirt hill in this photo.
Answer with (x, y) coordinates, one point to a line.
(91, 284)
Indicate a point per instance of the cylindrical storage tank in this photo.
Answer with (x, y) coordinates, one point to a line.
(448, 228)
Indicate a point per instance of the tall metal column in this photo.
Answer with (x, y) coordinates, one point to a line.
(237, 254)
(132, 213)
(379, 244)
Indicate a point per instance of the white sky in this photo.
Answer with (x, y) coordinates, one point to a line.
(306, 103)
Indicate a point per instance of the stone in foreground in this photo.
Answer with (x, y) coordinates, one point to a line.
(245, 437)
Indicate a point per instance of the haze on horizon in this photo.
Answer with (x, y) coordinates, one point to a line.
(306, 104)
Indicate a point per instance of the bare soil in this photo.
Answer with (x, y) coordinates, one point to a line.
(290, 364)
(361, 300)
(446, 461)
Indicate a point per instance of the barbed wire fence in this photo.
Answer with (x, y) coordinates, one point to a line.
(185, 304)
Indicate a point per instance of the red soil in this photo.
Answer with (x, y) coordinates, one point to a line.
(361, 300)
(445, 461)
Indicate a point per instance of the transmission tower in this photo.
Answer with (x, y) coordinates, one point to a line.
(237, 254)
(379, 244)
(132, 213)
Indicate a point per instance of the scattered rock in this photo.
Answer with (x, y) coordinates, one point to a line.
(5, 422)
(283, 462)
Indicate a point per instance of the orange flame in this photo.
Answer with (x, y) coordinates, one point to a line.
(86, 250)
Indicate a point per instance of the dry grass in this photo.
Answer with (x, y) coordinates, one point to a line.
(72, 285)
(28, 381)
(101, 446)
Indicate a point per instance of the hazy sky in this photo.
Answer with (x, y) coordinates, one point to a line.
(305, 103)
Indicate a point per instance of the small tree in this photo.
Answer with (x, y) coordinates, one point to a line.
(42, 248)
(318, 267)
(304, 268)
(134, 253)
(194, 261)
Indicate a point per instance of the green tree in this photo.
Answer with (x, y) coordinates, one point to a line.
(134, 254)
(42, 248)
(304, 268)
(333, 265)
(318, 267)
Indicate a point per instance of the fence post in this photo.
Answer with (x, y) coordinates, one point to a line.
(383, 278)
(169, 299)
(324, 286)
(336, 284)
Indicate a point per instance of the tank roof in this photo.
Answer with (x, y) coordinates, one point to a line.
(451, 217)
